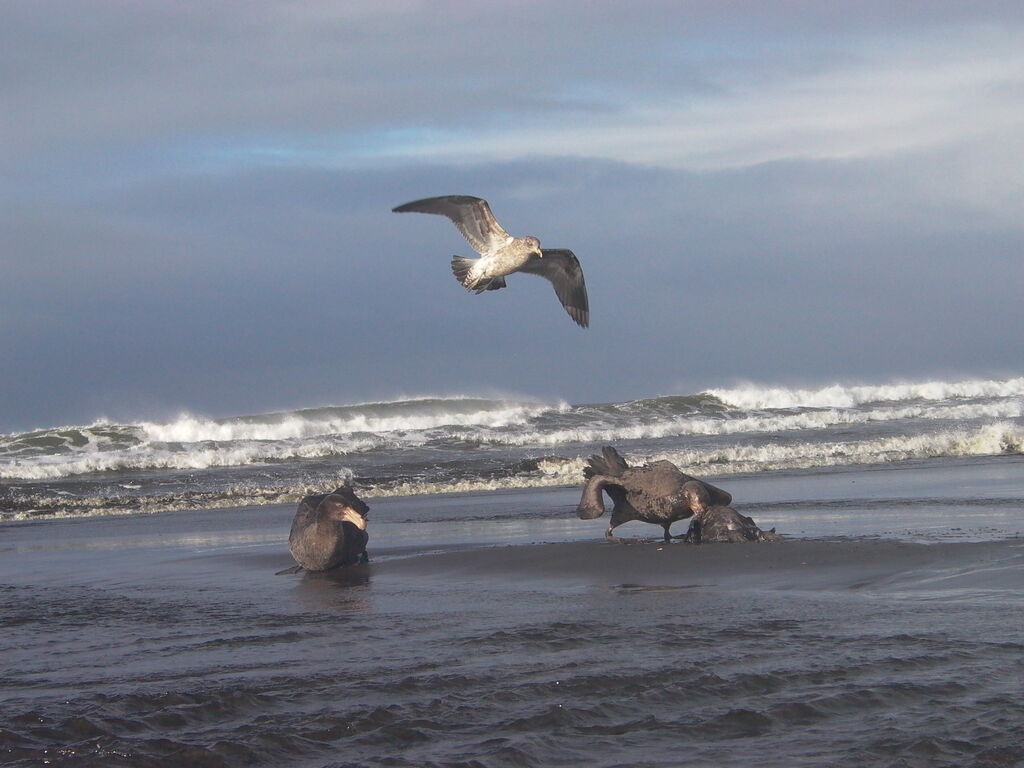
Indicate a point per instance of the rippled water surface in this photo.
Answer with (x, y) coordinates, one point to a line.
(495, 676)
(166, 640)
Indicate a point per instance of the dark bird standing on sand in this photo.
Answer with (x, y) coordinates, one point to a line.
(329, 530)
(654, 493)
(501, 254)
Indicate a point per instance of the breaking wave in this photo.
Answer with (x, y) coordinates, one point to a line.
(840, 396)
(192, 442)
(458, 444)
(987, 440)
(372, 419)
(195, 442)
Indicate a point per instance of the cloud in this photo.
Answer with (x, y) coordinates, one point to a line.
(697, 84)
(196, 197)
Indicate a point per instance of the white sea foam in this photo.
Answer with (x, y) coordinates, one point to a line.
(754, 397)
(304, 424)
(754, 424)
(986, 440)
(105, 506)
(199, 457)
(990, 439)
(198, 443)
(194, 454)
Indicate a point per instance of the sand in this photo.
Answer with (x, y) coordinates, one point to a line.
(499, 630)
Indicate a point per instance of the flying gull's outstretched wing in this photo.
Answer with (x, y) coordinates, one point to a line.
(562, 268)
(472, 215)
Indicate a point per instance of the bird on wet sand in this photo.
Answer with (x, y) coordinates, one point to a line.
(501, 254)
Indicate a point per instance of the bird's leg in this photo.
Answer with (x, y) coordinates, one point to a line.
(694, 534)
(619, 516)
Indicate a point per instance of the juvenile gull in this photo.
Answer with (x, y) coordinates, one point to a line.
(501, 254)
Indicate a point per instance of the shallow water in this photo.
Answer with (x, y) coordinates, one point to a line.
(166, 640)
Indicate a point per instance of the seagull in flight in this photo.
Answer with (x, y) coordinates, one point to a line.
(501, 254)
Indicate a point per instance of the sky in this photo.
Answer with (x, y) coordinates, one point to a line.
(195, 199)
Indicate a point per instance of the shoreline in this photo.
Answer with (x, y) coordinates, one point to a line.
(777, 482)
(972, 501)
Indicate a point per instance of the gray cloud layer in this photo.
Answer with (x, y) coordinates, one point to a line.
(196, 205)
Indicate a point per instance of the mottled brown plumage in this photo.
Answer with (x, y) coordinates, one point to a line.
(654, 493)
(329, 530)
(725, 524)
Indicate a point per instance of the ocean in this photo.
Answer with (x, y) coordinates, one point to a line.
(456, 444)
(142, 623)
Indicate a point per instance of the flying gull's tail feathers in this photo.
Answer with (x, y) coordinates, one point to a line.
(461, 267)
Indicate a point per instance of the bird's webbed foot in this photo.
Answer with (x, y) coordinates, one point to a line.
(609, 536)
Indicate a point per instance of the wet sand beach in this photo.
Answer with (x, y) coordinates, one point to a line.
(498, 630)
